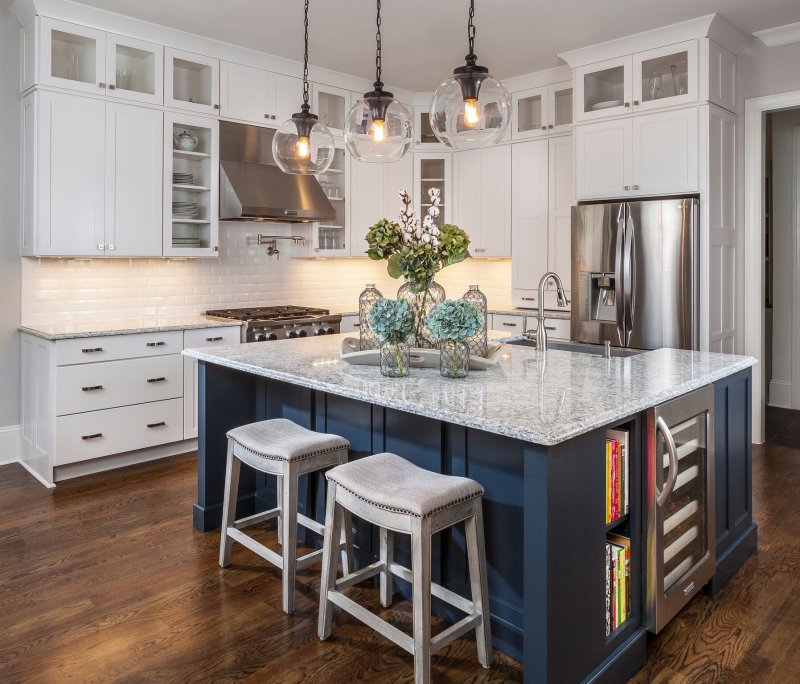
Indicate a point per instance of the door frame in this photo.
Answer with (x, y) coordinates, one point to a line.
(754, 169)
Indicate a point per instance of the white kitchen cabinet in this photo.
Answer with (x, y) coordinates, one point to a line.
(541, 111)
(350, 324)
(529, 211)
(603, 159)
(244, 93)
(286, 95)
(134, 69)
(482, 194)
(64, 175)
(398, 176)
(331, 105)
(72, 56)
(603, 89)
(557, 328)
(191, 82)
(560, 201)
(183, 235)
(195, 339)
(665, 152)
(721, 77)
(513, 325)
(665, 76)
(367, 202)
(433, 170)
(133, 169)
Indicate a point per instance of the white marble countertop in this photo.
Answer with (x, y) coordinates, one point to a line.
(65, 331)
(541, 398)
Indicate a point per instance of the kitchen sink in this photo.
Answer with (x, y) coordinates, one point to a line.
(581, 348)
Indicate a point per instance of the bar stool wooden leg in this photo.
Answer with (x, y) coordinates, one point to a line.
(347, 540)
(476, 553)
(279, 492)
(387, 558)
(230, 499)
(289, 525)
(328, 579)
(421, 600)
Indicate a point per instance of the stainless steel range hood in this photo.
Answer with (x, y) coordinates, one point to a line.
(253, 188)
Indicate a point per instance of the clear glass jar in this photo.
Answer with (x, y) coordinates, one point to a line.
(421, 304)
(454, 359)
(395, 359)
(366, 299)
(478, 343)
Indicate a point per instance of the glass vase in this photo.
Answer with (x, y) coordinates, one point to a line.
(395, 359)
(421, 304)
(367, 338)
(454, 359)
(478, 343)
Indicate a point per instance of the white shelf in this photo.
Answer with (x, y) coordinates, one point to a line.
(336, 199)
(328, 225)
(196, 221)
(332, 171)
(191, 156)
(190, 188)
(432, 180)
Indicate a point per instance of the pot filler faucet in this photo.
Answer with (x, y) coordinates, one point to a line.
(541, 332)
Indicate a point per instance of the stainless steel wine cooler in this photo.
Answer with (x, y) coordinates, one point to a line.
(680, 503)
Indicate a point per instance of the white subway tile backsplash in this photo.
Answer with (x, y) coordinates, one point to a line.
(243, 275)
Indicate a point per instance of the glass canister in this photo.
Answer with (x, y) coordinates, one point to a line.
(395, 359)
(421, 304)
(478, 343)
(454, 359)
(366, 299)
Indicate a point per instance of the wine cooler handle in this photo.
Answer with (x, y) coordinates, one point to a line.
(672, 475)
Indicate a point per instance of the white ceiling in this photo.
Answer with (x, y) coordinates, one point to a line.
(425, 39)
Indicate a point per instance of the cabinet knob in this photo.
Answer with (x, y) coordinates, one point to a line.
(111, 247)
(272, 116)
(111, 86)
(544, 128)
(101, 85)
(550, 126)
(101, 247)
(635, 187)
(627, 187)
(636, 103)
(627, 104)
(216, 106)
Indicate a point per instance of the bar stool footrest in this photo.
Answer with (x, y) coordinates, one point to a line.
(437, 590)
(371, 620)
(256, 518)
(256, 547)
(456, 631)
(359, 575)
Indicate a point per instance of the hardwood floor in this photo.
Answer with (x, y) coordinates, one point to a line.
(103, 579)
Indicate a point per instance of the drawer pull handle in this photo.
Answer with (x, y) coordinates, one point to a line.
(92, 350)
(156, 344)
(529, 299)
(155, 425)
(510, 325)
(94, 436)
(92, 388)
(156, 379)
(213, 339)
(549, 327)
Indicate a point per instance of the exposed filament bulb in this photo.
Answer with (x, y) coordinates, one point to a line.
(378, 130)
(302, 147)
(471, 116)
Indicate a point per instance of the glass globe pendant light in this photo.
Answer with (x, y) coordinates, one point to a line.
(470, 109)
(378, 127)
(303, 145)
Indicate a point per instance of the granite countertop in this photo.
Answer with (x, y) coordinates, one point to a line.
(541, 398)
(65, 331)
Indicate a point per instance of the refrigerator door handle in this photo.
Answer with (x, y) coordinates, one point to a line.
(630, 277)
(619, 275)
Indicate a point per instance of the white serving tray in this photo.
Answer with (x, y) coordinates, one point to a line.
(420, 358)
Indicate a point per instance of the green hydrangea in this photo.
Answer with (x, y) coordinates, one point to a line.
(453, 244)
(384, 239)
(417, 262)
(391, 320)
(454, 319)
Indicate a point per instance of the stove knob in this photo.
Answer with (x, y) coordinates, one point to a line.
(272, 336)
(303, 333)
(261, 337)
(292, 334)
(321, 331)
(331, 331)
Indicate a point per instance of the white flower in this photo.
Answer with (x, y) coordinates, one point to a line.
(402, 194)
(433, 192)
(427, 222)
(426, 237)
(435, 241)
(435, 231)
(434, 211)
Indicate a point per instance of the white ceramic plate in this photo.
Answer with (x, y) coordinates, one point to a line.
(420, 358)
(606, 105)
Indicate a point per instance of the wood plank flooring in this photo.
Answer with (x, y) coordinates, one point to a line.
(104, 580)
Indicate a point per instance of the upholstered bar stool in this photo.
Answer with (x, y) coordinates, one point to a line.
(397, 496)
(282, 448)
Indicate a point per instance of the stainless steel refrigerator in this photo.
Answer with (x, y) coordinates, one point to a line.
(634, 273)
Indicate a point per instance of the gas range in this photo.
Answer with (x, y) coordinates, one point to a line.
(267, 323)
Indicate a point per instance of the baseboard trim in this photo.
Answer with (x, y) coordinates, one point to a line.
(39, 478)
(101, 465)
(10, 444)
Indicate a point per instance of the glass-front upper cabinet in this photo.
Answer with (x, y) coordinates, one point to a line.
(331, 105)
(603, 89)
(542, 110)
(135, 69)
(665, 76)
(72, 56)
(330, 238)
(191, 82)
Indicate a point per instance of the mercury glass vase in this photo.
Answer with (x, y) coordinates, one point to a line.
(478, 343)
(395, 359)
(454, 359)
(367, 338)
(421, 304)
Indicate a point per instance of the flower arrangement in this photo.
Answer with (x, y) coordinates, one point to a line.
(454, 319)
(391, 320)
(417, 252)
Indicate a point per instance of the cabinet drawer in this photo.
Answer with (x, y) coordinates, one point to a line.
(349, 324)
(94, 386)
(112, 347)
(212, 337)
(557, 328)
(83, 436)
(513, 325)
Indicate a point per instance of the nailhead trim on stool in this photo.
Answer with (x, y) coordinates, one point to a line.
(397, 496)
(282, 448)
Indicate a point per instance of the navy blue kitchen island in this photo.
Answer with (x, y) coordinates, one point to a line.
(532, 431)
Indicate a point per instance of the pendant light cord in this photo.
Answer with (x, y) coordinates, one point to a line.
(378, 82)
(471, 57)
(306, 106)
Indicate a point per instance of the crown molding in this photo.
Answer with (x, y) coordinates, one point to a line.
(780, 35)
